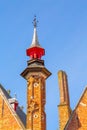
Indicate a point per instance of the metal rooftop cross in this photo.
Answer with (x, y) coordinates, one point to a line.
(35, 21)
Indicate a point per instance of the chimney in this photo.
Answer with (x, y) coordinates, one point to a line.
(63, 87)
(64, 106)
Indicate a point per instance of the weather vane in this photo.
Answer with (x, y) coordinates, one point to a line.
(35, 21)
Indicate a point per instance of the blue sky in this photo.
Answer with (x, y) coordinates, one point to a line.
(62, 31)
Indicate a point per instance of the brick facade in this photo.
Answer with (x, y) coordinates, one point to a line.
(8, 118)
(77, 119)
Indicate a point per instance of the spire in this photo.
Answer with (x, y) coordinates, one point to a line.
(35, 51)
(35, 41)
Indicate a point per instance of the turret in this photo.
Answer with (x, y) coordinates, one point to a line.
(36, 75)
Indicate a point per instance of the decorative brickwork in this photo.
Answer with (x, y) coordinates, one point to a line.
(36, 119)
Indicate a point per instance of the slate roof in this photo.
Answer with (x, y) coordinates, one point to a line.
(21, 115)
(19, 112)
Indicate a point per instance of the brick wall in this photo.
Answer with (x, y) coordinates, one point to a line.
(64, 113)
(78, 120)
(64, 106)
(7, 119)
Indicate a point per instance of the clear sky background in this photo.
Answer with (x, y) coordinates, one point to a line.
(62, 31)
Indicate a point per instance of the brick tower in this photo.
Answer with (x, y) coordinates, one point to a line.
(35, 74)
(64, 106)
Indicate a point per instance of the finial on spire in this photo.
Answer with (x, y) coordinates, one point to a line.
(35, 21)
